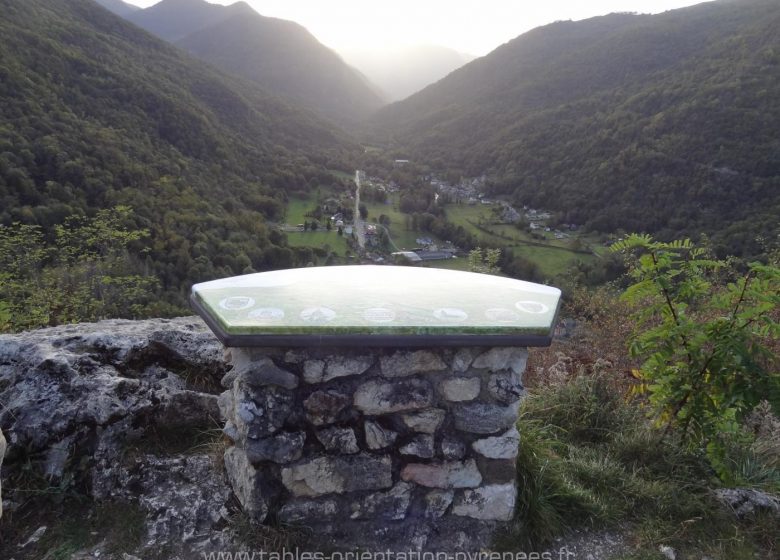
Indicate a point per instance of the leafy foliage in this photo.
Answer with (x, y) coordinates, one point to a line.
(484, 260)
(96, 113)
(86, 273)
(705, 345)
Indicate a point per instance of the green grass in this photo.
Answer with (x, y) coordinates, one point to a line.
(462, 214)
(460, 263)
(319, 239)
(403, 238)
(553, 261)
(297, 208)
(590, 459)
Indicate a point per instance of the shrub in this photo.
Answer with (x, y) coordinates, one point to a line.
(86, 272)
(704, 333)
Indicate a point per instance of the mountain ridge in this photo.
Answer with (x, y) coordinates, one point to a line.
(280, 55)
(622, 121)
(172, 20)
(119, 7)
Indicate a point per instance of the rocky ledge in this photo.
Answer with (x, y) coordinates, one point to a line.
(114, 411)
(136, 413)
(127, 413)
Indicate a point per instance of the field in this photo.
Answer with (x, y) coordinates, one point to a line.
(553, 256)
(327, 240)
(459, 263)
(401, 237)
(296, 208)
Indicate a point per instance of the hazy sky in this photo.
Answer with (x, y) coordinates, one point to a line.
(471, 26)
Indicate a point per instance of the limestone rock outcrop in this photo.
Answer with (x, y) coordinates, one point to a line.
(98, 403)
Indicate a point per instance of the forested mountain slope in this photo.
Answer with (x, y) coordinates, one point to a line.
(665, 123)
(282, 56)
(95, 112)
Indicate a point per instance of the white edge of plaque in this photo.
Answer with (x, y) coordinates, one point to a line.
(287, 277)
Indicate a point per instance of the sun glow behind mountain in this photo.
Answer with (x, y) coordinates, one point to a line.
(469, 27)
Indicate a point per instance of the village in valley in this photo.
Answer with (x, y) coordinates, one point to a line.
(377, 219)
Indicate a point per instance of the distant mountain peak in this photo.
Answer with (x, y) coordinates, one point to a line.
(173, 19)
(281, 55)
(241, 6)
(119, 7)
(178, 4)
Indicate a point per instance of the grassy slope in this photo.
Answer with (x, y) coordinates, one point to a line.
(590, 459)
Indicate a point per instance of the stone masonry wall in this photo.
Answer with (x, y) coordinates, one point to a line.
(376, 448)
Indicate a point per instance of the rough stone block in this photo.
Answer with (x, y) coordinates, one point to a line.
(344, 366)
(313, 371)
(495, 501)
(377, 436)
(377, 397)
(391, 505)
(479, 418)
(437, 502)
(295, 356)
(326, 475)
(324, 407)
(262, 412)
(282, 447)
(258, 371)
(228, 379)
(497, 359)
(454, 474)
(425, 421)
(404, 363)
(452, 448)
(320, 371)
(457, 389)
(250, 485)
(499, 447)
(505, 387)
(226, 404)
(421, 446)
(338, 440)
(308, 511)
(463, 359)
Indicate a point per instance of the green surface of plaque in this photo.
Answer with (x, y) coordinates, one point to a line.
(355, 302)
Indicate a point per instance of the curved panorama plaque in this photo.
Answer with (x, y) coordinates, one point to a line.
(377, 306)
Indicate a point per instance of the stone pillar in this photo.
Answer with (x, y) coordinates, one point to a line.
(2, 454)
(377, 448)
